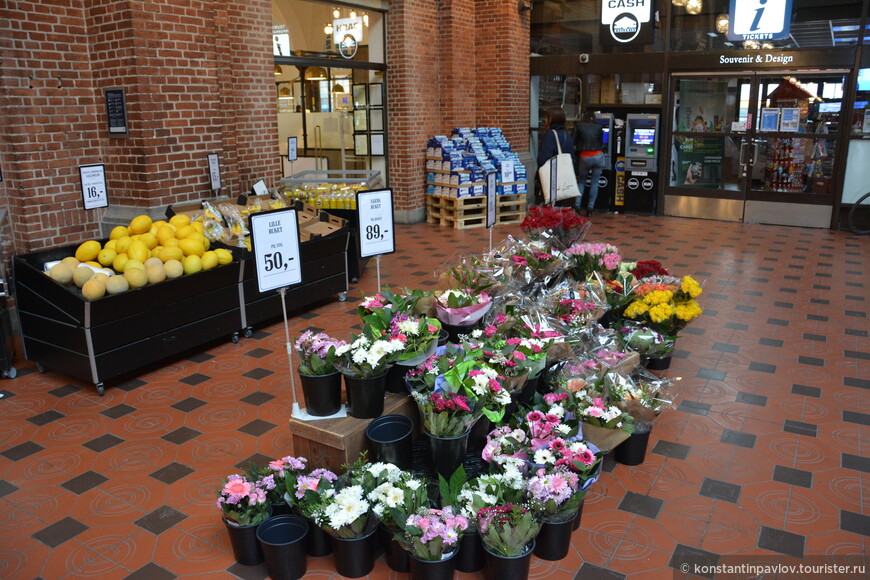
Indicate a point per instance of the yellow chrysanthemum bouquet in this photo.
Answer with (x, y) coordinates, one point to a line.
(665, 303)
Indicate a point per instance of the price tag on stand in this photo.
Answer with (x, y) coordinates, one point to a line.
(275, 243)
(93, 179)
(260, 188)
(214, 171)
(491, 198)
(292, 151)
(376, 232)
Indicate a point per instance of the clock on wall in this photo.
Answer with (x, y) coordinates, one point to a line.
(348, 46)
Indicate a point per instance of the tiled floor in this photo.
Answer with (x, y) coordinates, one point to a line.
(766, 454)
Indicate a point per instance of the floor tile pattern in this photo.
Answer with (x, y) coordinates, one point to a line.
(767, 452)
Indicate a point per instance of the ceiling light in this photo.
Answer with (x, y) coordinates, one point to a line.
(336, 13)
(315, 73)
(767, 45)
(338, 88)
(722, 23)
(694, 6)
(366, 19)
(678, 2)
(352, 14)
(278, 70)
(327, 30)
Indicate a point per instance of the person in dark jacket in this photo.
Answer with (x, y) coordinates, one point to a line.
(554, 128)
(589, 145)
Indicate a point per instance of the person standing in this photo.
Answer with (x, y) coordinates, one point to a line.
(553, 130)
(589, 145)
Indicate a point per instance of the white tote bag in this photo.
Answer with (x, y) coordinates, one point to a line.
(557, 177)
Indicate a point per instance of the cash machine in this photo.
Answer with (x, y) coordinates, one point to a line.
(641, 162)
(606, 184)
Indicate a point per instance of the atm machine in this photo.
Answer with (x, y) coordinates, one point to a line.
(606, 185)
(641, 162)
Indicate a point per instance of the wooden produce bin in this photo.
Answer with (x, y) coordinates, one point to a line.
(331, 443)
(116, 336)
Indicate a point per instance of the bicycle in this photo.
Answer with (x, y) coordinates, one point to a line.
(859, 216)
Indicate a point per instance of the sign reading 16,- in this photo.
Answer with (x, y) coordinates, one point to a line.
(275, 243)
(375, 210)
(93, 179)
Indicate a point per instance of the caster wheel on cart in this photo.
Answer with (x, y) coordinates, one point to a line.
(101, 390)
(10, 373)
(342, 296)
(248, 333)
(40, 367)
(235, 338)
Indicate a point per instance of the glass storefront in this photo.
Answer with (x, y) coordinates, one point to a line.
(330, 85)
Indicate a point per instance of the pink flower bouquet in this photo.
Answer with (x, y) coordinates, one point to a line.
(461, 307)
(432, 534)
(242, 501)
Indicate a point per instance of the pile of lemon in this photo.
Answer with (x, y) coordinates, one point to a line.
(145, 252)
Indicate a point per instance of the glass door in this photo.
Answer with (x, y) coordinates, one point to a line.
(755, 147)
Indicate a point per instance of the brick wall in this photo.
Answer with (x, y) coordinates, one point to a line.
(197, 76)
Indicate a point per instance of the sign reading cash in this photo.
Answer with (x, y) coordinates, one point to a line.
(759, 19)
(626, 22)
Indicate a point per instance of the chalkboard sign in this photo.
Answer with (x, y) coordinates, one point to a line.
(116, 110)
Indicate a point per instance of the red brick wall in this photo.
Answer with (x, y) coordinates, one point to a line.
(197, 77)
(450, 64)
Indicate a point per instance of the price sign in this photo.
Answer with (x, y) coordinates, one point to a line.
(491, 198)
(93, 179)
(260, 188)
(292, 152)
(214, 171)
(275, 243)
(375, 210)
(508, 175)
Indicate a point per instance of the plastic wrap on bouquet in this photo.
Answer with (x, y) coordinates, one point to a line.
(557, 226)
(603, 438)
(465, 315)
(526, 268)
(470, 271)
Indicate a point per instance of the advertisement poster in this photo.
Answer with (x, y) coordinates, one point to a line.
(700, 161)
(702, 106)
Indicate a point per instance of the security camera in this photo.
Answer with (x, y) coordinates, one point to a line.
(584, 58)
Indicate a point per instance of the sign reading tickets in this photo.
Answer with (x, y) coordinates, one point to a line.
(376, 232)
(93, 178)
(275, 243)
(759, 19)
(626, 22)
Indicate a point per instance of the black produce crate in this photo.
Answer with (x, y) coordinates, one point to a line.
(115, 336)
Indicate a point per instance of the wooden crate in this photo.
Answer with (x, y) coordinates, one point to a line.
(461, 212)
(511, 208)
(331, 443)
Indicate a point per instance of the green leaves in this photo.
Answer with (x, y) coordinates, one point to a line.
(449, 490)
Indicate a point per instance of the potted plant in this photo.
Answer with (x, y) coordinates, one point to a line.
(364, 363)
(276, 477)
(347, 517)
(643, 396)
(321, 382)
(244, 506)
(508, 534)
(460, 309)
(431, 536)
(556, 494)
(309, 492)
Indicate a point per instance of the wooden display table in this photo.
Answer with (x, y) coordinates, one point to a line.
(331, 443)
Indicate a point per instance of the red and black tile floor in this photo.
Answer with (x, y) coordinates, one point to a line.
(767, 452)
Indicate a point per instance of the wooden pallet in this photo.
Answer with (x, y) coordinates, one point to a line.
(470, 212)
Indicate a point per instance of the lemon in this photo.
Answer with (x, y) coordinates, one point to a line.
(140, 224)
(61, 273)
(179, 220)
(171, 243)
(155, 251)
(94, 289)
(94, 264)
(209, 260)
(88, 250)
(185, 232)
(173, 268)
(149, 239)
(170, 253)
(81, 275)
(106, 256)
(117, 284)
(191, 247)
(224, 256)
(119, 261)
(136, 277)
(132, 264)
(138, 251)
(164, 233)
(192, 264)
(123, 244)
(118, 232)
(197, 225)
(111, 244)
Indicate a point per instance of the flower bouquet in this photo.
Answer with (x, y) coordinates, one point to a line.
(559, 226)
(506, 449)
(489, 490)
(366, 357)
(642, 395)
(243, 502)
(419, 335)
(393, 500)
(311, 491)
(513, 358)
(279, 475)
(461, 307)
(645, 341)
(432, 534)
(508, 530)
(555, 493)
(665, 303)
(605, 426)
(317, 353)
(587, 259)
(346, 513)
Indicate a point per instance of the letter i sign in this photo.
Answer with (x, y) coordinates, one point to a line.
(759, 19)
